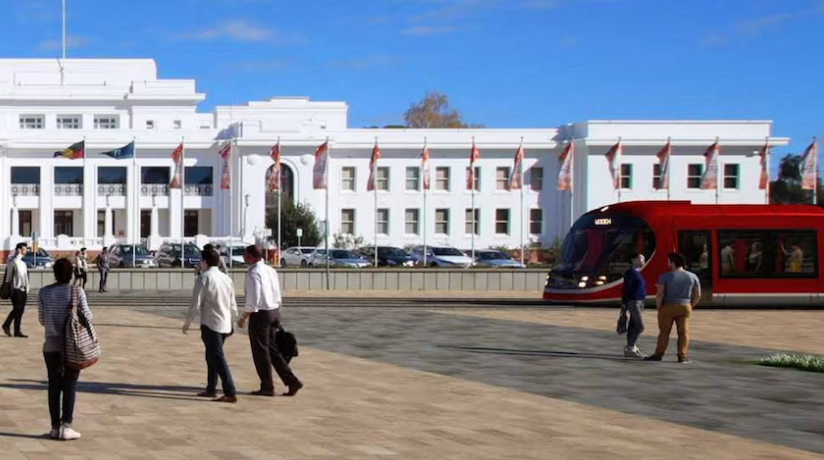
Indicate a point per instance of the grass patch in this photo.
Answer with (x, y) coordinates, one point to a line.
(810, 363)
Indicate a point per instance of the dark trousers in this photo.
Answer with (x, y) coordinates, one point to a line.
(18, 306)
(635, 308)
(263, 326)
(104, 276)
(62, 380)
(216, 362)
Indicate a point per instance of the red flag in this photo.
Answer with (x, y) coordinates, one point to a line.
(515, 179)
(177, 157)
(565, 175)
(473, 157)
(809, 167)
(709, 181)
(225, 176)
(614, 156)
(319, 172)
(425, 168)
(273, 184)
(765, 174)
(663, 156)
(373, 164)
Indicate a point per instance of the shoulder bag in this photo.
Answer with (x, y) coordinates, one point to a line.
(287, 344)
(81, 347)
(5, 288)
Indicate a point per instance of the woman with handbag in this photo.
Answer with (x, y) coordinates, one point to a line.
(81, 268)
(57, 305)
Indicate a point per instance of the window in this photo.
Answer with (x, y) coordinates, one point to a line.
(502, 221)
(442, 221)
(694, 173)
(382, 178)
(442, 178)
(25, 174)
(347, 221)
(31, 122)
(469, 224)
(155, 175)
(150, 124)
(145, 223)
(191, 223)
(198, 175)
(347, 178)
(502, 178)
(536, 221)
(767, 254)
(69, 122)
(101, 223)
(656, 176)
(626, 176)
(412, 226)
(536, 178)
(178, 124)
(413, 178)
(696, 246)
(383, 221)
(24, 224)
(731, 176)
(68, 175)
(105, 121)
(111, 175)
(64, 223)
(476, 180)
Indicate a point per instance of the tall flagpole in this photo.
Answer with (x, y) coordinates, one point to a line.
(668, 164)
(472, 186)
(280, 202)
(231, 202)
(64, 30)
(814, 152)
(521, 178)
(719, 170)
(619, 156)
(136, 201)
(572, 183)
(183, 202)
(326, 179)
(424, 179)
(767, 166)
(375, 190)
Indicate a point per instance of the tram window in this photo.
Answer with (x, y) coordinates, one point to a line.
(796, 253)
(695, 246)
(742, 253)
(767, 253)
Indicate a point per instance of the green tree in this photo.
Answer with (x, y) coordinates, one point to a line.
(295, 216)
(434, 111)
(786, 188)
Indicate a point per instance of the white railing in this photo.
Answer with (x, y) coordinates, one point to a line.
(199, 190)
(68, 189)
(25, 189)
(111, 189)
(154, 189)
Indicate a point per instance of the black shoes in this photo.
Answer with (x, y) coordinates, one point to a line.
(263, 393)
(293, 389)
(656, 358)
(20, 335)
(7, 330)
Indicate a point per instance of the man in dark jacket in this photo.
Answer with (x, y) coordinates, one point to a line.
(632, 299)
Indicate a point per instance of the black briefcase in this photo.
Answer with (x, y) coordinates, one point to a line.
(287, 344)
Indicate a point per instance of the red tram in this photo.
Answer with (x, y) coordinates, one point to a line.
(744, 255)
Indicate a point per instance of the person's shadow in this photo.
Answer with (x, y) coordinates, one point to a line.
(122, 389)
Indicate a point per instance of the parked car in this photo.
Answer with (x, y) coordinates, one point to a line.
(491, 258)
(43, 260)
(121, 256)
(236, 259)
(169, 256)
(388, 256)
(338, 258)
(442, 256)
(297, 256)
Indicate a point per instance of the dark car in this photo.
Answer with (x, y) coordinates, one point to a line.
(131, 256)
(388, 256)
(168, 256)
(43, 261)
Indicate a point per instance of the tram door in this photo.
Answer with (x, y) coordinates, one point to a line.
(696, 245)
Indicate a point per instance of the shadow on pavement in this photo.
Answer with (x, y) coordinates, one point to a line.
(123, 389)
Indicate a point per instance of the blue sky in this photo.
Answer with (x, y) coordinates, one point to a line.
(504, 63)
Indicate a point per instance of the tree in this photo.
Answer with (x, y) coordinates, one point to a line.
(786, 188)
(434, 111)
(295, 216)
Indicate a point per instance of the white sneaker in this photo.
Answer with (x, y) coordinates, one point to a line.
(67, 433)
(54, 433)
(634, 352)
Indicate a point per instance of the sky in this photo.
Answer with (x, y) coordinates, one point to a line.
(503, 63)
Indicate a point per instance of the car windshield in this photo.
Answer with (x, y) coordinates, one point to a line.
(40, 253)
(492, 255)
(238, 250)
(391, 252)
(307, 250)
(140, 251)
(447, 252)
(342, 254)
(192, 251)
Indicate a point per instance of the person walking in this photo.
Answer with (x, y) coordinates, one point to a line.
(678, 292)
(633, 296)
(17, 279)
(221, 265)
(53, 313)
(81, 268)
(214, 300)
(263, 301)
(103, 268)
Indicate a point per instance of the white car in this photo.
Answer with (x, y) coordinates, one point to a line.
(237, 255)
(442, 256)
(296, 256)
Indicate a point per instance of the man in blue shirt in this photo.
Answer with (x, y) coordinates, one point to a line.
(632, 299)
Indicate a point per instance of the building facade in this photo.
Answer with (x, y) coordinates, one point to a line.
(47, 105)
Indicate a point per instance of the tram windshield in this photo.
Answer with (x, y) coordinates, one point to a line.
(598, 248)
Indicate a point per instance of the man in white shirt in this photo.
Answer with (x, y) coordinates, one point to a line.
(17, 276)
(214, 300)
(263, 302)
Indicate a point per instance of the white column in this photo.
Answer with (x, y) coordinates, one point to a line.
(155, 230)
(132, 211)
(175, 214)
(46, 229)
(15, 222)
(108, 225)
(89, 201)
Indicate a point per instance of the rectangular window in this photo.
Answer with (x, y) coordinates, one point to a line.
(476, 179)
(469, 224)
(68, 175)
(178, 124)
(145, 223)
(442, 221)
(656, 176)
(347, 221)
(731, 176)
(32, 121)
(191, 223)
(347, 176)
(694, 173)
(383, 221)
(106, 121)
(626, 176)
(111, 175)
(155, 175)
(199, 175)
(382, 178)
(69, 122)
(412, 226)
(536, 221)
(413, 178)
(502, 221)
(25, 174)
(536, 178)
(442, 178)
(150, 124)
(767, 254)
(502, 178)
(64, 223)
(25, 226)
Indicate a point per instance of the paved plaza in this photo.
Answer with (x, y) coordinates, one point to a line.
(419, 380)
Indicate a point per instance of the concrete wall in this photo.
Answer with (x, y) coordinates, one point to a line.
(315, 280)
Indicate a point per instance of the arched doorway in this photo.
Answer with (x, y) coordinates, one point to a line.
(287, 186)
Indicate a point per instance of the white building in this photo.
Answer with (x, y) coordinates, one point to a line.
(47, 105)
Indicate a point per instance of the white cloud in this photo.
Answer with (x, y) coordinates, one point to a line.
(244, 31)
(428, 31)
(57, 45)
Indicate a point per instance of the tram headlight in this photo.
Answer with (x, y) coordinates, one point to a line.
(585, 278)
(582, 284)
(602, 278)
(599, 283)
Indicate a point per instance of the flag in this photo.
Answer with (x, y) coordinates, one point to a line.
(765, 174)
(515, 179)
(614, 156)
(809, 167)
(123, 153)
(565, 176)
(425, 168)
(319, 172)
(373, 163)
(225, 173)
(473, 157)
(709, 181)
(663, 156)
(273, 183)
(177, 157)
(74, 152)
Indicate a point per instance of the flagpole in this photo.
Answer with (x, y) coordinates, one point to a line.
(814, 153)
(521, 179)
(668, 164)
(64, 30)
(183, 202)
(231, 161)
(326, 179)
(619, 156)
(280, 202)
(136, 199)
(719, 171)
(424, 179)
(375, 190)
(572, 183)
(472, 186)
(767, 167)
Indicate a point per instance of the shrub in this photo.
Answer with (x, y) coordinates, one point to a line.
(811, 363)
